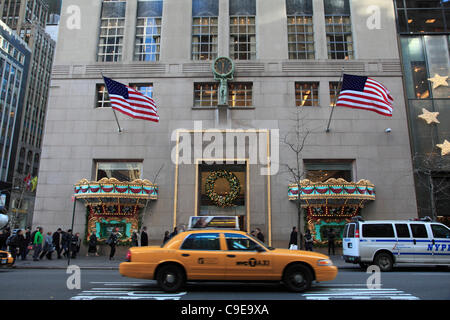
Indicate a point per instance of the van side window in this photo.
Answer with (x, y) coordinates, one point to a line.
(351, 231)
(344, 235)
(402, 230)
(440, 231)
(419, 231)
(379, 230)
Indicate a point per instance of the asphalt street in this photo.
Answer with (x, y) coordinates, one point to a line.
(428, 283)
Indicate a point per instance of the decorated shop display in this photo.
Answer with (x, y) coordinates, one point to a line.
(112, 204)
(227, 199)
(331, 204)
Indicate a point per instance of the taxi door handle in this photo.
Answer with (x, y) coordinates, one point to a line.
(185, 254)
(415, 242)
(231, 256)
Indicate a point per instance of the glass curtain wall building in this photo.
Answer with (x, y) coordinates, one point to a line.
(424, 30)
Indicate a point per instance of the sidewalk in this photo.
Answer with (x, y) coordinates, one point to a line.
(103, 263)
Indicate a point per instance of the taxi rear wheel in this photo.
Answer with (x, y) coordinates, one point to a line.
(170, 278)
(297, 278)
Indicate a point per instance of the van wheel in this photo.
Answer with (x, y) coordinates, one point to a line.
(384, 261)
(170, 278)
(297, 278)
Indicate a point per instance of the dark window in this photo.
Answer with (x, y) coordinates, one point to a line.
(238, 242)
(205, 8)
(337, 7)
(402, 231)
(242, 7)
(202, 241)
(419, 231)
(381, 230)
(440, 231)
(351, 231)
(294, 7)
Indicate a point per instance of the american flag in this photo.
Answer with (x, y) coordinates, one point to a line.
(365, 93)
(131, 102)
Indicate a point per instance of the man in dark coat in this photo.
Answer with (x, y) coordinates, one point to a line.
(259, 235)
(294, 237)
(144, 237)
(57, 242)
(65, 242)
(331, 238)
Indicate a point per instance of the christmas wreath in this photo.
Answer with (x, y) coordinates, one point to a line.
(228, 198)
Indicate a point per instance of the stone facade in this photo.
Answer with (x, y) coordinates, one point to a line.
(77, 133)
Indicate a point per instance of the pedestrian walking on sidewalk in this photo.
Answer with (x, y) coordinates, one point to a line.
(3, 237)
(134, 239)
(112, 242)
(57, 242)
(259, 235)
(48, 247)
(144, 237)
(29, 242)
(92, 246)
(75, 245)
(174, 233)
(166, 237)
(331, 238)
(65, 242)
(37, 243)
(293, 240)
(308, 241)
(22, 244)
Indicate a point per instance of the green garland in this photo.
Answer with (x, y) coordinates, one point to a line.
(228, 199)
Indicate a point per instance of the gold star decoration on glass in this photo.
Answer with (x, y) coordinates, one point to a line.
(429, 117)
(445, 147)
(438, 81)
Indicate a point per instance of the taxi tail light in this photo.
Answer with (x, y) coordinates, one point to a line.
(128, 257)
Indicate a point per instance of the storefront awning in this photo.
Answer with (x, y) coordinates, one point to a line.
(115, 191)
(337, 192)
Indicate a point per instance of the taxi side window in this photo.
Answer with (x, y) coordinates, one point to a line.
(419, 231)
(239, 242)
(440, 231)
(201, 241)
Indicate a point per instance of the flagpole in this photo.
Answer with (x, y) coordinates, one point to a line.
(114, 111)
(335, 99)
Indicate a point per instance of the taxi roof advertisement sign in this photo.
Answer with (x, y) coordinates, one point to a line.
(213, 222)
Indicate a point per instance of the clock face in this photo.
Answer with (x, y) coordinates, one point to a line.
(223, 66)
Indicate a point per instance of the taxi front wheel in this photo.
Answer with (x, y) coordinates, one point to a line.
(170, 278)
(297, 278)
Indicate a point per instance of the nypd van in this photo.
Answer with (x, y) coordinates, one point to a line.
(388, 243)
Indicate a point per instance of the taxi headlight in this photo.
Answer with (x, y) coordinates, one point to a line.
(324, 262)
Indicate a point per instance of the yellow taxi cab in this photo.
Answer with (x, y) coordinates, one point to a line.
(218, 255)
(6, 259)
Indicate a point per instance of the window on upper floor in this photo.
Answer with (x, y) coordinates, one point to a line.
(205, 15)
(118, 169)
(323, 169)
(102, 97)
(240, 94)
(338, 28)
(423, 16)
(145, 88)
(205, 94)
(307, 94)
(300, 29)
(112, 27)
(148, 30)
(242, 29)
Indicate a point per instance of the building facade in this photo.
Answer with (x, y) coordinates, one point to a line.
(14, 65)
(424, 32)
(244, 90)
(28, 19)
